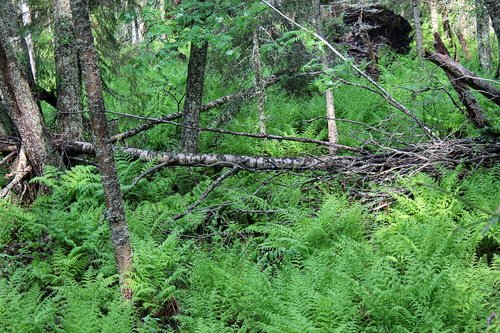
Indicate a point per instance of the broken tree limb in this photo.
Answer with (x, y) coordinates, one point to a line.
(474, 111)
(21, 170)
(422, 157)
(247, 93)
(461, 73)
(205, 194)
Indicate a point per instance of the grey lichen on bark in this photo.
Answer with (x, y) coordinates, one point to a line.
(483, 36)
(22, 108)
(194, 96)
(70, 120)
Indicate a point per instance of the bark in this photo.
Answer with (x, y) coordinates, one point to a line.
(493, 7)
(329, 98)
(104, 151)
(460, 73)
(483, 36)
(475, 113)
(26, 17)
(259, 82)
(22, 107)
(12, 26)
(434, 15)
(447, 30)
(424, 157)
(417, 19)
(194, 96)
(463, 43)
(69, 107)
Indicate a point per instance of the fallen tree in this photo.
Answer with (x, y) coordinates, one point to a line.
(425, 157)
(464, 75)
(460, 80)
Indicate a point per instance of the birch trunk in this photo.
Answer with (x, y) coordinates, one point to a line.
(104, 151)
(483, 36)
(417, 19)
(259, 82)
(434, 16)
(26, 17)
(329, 98)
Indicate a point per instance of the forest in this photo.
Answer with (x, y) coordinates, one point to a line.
(249, 166)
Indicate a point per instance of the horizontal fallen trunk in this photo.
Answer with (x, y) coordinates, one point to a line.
(462, 74)
(418, 157)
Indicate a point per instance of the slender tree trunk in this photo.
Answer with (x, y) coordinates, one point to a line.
(259, 82)
(194, 96)
(9, 13)
(417, 19)
(69, 105)
(483, 36)
(329, 98)
(22, 107)
(448, 30)
(460, 28)
(104, 150)
(493, 7)
(26, 16)
(434, 15)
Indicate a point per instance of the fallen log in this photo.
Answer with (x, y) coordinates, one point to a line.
(462, 74)
(386, 164)
(474, 111)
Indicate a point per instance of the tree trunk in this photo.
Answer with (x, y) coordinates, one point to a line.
(104, 150)
(483, 36)
(10, 18)
(434, 15)
(475, 112)
(69, 107)
(194, 96)
(468, 77)
(26, 17)
(259, 82)
(22, 107)
(329, 98)
(417, 19)
(493, 7)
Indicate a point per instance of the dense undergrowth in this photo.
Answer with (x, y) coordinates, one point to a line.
(265, 252)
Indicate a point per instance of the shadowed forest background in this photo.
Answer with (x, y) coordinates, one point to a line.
(249, 166)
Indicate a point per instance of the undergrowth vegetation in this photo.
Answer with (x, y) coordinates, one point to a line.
(264, 252)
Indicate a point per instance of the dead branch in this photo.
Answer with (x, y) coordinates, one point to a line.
(247, 93)
(474, 111)
(462, 74)
(389, 163)
(204, 195)
(22, 169)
